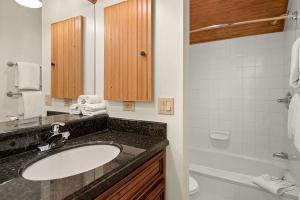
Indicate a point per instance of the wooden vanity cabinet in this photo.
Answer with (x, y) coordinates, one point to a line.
(147, 182)
(67, 58)
(128, 51)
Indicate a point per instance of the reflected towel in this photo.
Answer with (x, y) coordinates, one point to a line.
(89, 113)
(273, 184)
(89, 99)
(33, 104)
(293, 120)
(27, 76)
(94, 107)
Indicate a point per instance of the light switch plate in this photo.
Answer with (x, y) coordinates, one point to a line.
(67, 102)
(166, 106)
(48, 100)
(128, 105)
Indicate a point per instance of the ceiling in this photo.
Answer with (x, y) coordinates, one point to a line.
(205, 13)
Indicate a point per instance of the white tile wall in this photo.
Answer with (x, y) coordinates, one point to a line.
(234, 87)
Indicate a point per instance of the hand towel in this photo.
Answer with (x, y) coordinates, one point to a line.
(28, 76)
(295, 65)
(75, 109)
(94, 107)
(89, 113)
(89, 99)
(33, 104)
(293, 120)
(273, 184)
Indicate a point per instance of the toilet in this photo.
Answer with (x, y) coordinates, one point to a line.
(193, 186)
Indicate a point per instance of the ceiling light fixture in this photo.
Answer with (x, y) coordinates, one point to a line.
(30, 3)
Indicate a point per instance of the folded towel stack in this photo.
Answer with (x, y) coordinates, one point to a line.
(88, 99)
(274, 185)
(93, 109)
(88, 105)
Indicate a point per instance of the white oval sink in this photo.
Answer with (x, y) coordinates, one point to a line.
(71, 162)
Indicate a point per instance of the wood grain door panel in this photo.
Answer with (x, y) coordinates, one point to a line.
(128, 32)
(67, 58)
(145, 182)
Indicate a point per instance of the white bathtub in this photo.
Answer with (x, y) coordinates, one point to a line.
(224, 176)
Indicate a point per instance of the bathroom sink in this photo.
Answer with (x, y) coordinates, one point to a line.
(71, 162)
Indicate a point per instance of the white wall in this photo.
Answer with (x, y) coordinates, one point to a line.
(20, 40)
(234, 87)
(169, 22)
(57, 10)
(291, 34)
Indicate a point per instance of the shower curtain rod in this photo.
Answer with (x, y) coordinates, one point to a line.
(293, 16)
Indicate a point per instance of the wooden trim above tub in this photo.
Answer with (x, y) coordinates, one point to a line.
(93, 1)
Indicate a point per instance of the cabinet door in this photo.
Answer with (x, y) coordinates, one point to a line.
(128, 56)
(67, 58)
(147, 182)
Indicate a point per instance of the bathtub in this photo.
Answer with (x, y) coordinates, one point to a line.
(225, 176)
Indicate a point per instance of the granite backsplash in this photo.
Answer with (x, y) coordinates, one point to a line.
(20, 138)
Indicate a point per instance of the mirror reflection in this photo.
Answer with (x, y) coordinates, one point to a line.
(47, 56)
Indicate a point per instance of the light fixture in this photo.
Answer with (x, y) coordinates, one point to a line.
(30, 3)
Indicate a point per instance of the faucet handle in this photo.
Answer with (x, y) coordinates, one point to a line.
(56, 125)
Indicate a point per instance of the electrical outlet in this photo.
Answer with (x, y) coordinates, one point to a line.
(166, 106)
(128, 105)
(48, 100)
(67, 102)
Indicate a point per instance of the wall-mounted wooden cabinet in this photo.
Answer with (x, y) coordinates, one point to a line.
(67, 58)
(128, 51)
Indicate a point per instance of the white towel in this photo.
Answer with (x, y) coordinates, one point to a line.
(33, 104)
(89, 99)
(27, 76)
(293, 120)
(89, 113)
(75, 109)
(273, 184)
(93, 107)
(295, 65)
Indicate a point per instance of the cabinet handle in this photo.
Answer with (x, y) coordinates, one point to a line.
(142, 53)
(52, 64)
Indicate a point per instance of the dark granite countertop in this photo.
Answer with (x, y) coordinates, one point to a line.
(140, 141)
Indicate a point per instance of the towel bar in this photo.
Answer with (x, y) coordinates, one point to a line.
(11, 94)
(12, 64)
(286, 100)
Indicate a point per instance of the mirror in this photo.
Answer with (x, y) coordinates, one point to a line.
(28, 80)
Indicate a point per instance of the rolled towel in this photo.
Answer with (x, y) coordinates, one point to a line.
(89, 113)
(93, 107)
(89, 99)
(274, 185)
(75, 109)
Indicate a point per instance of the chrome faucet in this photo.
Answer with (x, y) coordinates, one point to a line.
(55, 139)
(281, 155)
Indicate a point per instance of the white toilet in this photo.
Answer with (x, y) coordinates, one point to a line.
(193, 186)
